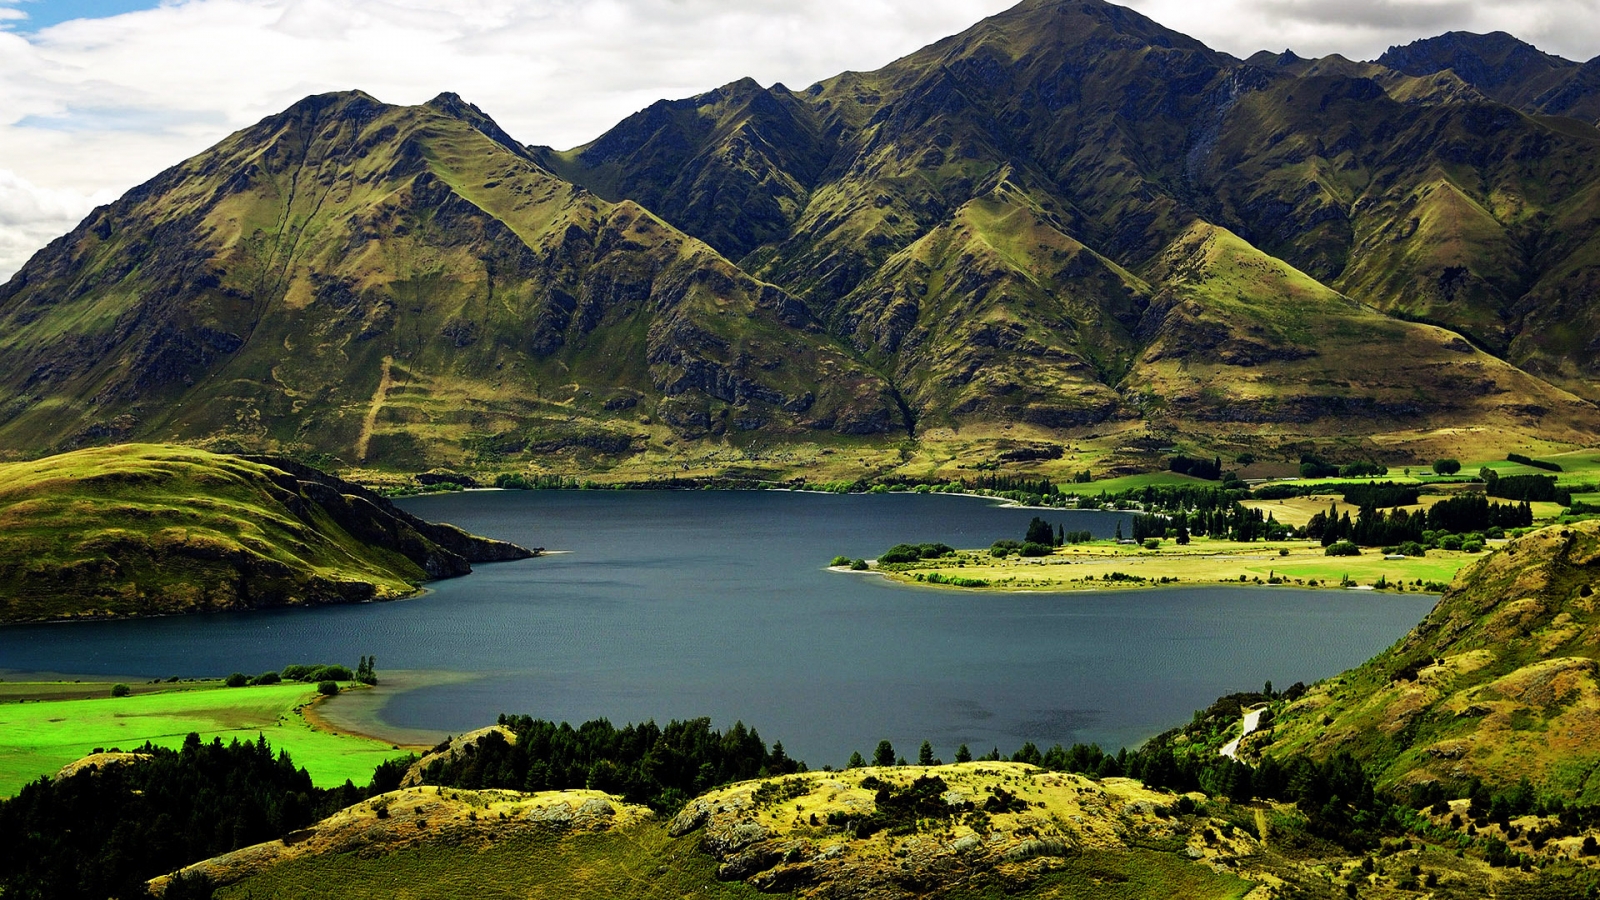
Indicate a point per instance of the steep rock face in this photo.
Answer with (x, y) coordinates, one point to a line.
(1500, 681)
(155, 530)
(401, 284)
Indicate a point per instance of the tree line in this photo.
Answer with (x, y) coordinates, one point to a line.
(103, 833)
(1460, 515)
(662, 768)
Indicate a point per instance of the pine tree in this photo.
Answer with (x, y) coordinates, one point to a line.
(925, 755)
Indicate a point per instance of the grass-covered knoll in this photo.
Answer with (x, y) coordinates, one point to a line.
(403, 837)
(1046, 835)
(152, 529)
(968, 827)
(38, 738)
(1501, 681)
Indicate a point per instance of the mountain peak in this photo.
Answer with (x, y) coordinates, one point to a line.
(449, 103)
(1486, 61)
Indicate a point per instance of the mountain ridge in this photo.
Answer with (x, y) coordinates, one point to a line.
(1000, 229)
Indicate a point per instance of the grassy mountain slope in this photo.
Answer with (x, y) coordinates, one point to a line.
(1465, 213)
(1237, 336)
(1500, 681)
(995, 231)
(147, 530)
(1415, 194)
(402, 284)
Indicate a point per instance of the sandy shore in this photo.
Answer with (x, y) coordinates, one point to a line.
(360, 712)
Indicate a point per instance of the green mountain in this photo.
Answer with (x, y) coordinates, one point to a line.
(1507, 70)
(153, 530)
(958, 185)
(404, 285)
(1501, 681)
(1065, 223)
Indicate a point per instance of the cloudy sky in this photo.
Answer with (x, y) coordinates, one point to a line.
(99, 95)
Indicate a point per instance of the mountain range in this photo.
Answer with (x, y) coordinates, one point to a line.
(1066, 223)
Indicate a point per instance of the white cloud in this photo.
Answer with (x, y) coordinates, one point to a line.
(96, 106)
(30, 216)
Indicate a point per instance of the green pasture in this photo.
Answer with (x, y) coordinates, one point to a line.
(38, 737)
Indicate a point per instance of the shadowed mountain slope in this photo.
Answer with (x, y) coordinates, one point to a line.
(1508, 70)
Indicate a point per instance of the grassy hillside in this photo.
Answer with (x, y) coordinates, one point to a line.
(1501, 681)
(965, 831)
(147, 529)
(1074, 843)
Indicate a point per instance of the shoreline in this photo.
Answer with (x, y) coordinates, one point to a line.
(358, 713)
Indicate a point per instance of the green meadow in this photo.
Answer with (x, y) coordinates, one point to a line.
(39, 736)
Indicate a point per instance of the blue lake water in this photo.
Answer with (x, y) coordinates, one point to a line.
(677, 605)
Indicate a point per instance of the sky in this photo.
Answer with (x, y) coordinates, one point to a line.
(96, 97)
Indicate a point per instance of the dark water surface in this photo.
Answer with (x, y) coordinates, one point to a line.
(675, 605)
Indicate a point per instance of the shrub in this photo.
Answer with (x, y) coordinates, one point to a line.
(899, 553)
(1472, 546)
(1283, 551)
(1450, 541)
(1004, 548)
(327, 688)
(267, 678)
(1446, 466)
(1151, 543)
(1029, 548)
(120, 690)
(840, 561)
(1342, 548)
(1313, 467)
(858, 565)
(237, 679)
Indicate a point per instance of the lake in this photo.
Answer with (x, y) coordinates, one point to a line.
(684, 604)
